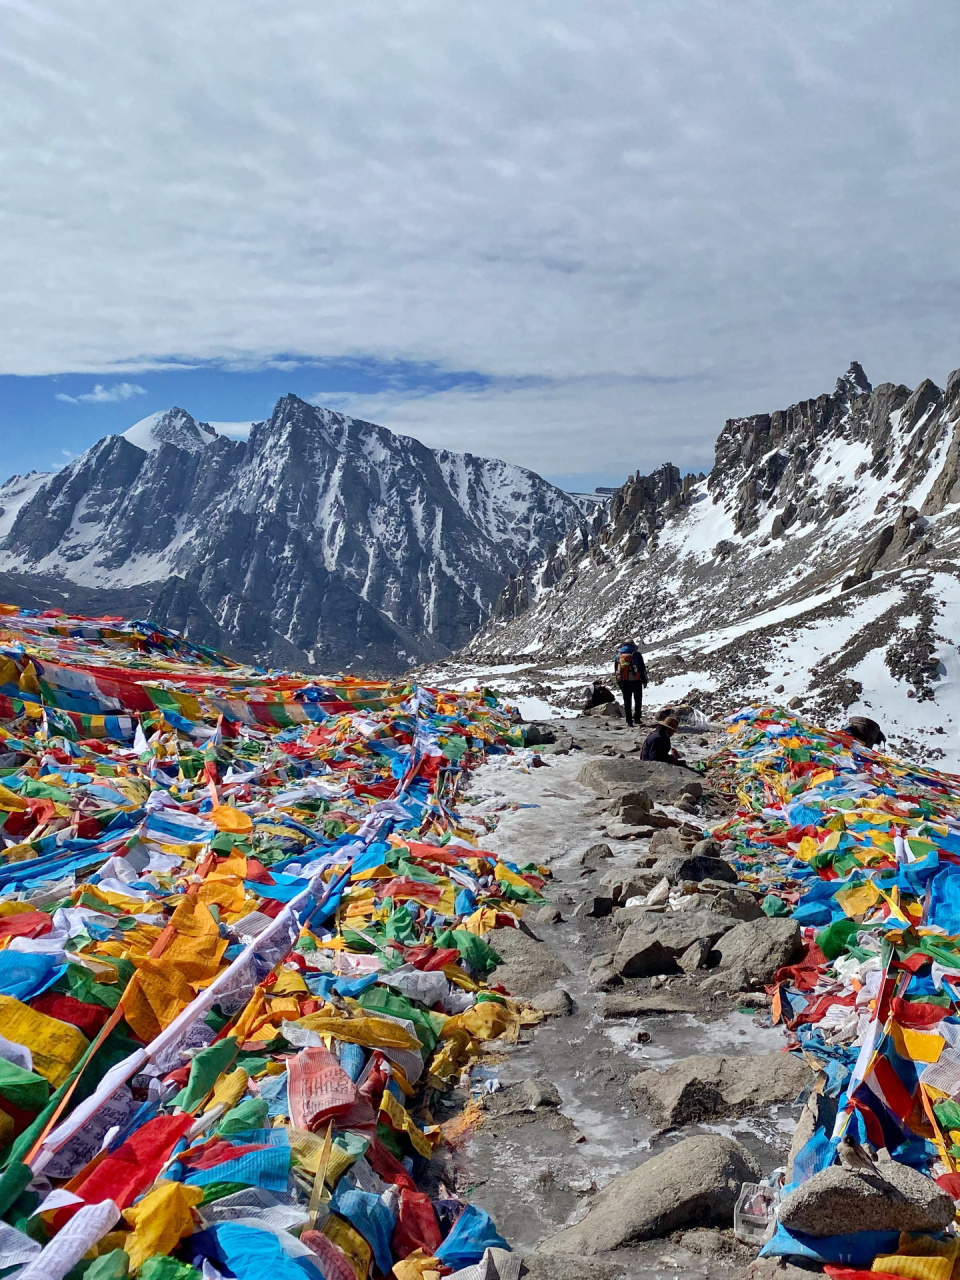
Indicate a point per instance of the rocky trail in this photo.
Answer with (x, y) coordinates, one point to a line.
(638, 1079)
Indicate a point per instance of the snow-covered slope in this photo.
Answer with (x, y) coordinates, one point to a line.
(170, 426)
(321, 540)
(819, 562)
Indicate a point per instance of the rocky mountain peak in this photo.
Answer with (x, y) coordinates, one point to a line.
(321, 540)
(854, 382)
(818, 562)
(170, 426)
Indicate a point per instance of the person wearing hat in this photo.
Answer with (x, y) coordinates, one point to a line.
(656, 745)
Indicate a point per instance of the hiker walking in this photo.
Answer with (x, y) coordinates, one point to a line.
(631, 675)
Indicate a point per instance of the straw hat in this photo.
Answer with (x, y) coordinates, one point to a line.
(669, 722)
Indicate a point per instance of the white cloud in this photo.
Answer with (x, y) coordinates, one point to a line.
(100, 394)
(734, 199)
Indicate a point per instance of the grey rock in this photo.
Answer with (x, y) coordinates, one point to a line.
(667, 841)
(596, 853)
(548, 915)
(695, 956)
(605, 711)
(695, 867)
(654, 946)
(604, 977)
(634, 815)
(543, 1265)
(637, 1005)
(529, 966)
(701, 1087)
(738, 904)
(894, 1198)
(760, 947)
(694, 1182)
(609, 776)
(628, 883)
(275, 546)
(555, 1003)
(596, 906)
(528, 1095)
(710, 848)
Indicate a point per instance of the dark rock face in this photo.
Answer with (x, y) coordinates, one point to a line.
(841, 509)
(322, 540)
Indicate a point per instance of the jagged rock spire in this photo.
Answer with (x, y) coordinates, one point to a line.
(854, 381)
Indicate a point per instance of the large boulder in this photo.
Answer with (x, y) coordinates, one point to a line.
(760, 947)
(628, 882)
(654, 943)
(696, 1181)
(700, 1087)
(894, 1198)
(694, 866)
(529, 966)
(738, 904)
(609, 775)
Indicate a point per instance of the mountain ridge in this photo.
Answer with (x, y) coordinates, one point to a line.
(321, 539)
(817, 562)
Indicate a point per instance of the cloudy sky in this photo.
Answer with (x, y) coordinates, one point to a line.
(574, 235)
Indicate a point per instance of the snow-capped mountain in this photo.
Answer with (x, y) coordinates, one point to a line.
(818, 562)
(319, 541)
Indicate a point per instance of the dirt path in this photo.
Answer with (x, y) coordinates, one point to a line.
(534, 1169)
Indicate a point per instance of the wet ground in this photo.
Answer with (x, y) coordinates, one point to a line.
(533, 1171)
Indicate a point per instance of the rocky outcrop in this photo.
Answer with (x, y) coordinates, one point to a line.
(528, 965)
(696, 1181)
(733, 584)
(759, 947)
(893, 1198)
(701, 1088)
(654, 944)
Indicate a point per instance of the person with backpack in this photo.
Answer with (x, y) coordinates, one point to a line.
(631, 676)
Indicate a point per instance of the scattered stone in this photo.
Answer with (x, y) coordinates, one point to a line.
(601, 973)
(642, 1037)
(667, 841)
(606, 710)
(894, 1198)
(636, 1005)
(710, 848)
(596, 853)
(692, 788)
(760, 947)
(700, 1087)
(739, 904)
(596, 906)
(754, 1000)
(625, 882)
(696, 1181)
(555, 1003)
(694, 866)
(528, 1095)
(528, 965)
(695, 956)
(618, 830)
(548, 915)
(547, 1266)
(731, 980)
(653, 946)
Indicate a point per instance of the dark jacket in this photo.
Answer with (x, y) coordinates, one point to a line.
(638, 670)
(656, 746)
(598, 695)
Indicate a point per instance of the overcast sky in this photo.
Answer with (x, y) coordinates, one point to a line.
(574, 235)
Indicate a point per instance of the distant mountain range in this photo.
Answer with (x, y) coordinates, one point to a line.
(818, 564)
(320, 542)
